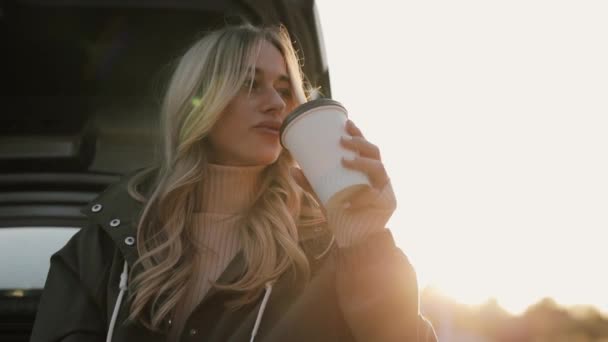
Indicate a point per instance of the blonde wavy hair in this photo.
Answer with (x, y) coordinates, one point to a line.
(207, 77)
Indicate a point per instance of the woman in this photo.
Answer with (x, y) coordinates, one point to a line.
(224, 241)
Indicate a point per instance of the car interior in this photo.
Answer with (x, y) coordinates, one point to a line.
(82, 82)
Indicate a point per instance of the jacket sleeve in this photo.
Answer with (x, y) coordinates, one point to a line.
(377, 292)
(71, 307)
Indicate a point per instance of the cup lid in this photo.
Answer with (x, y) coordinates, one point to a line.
(305, 107)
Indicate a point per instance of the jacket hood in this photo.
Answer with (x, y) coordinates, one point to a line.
(117, 213)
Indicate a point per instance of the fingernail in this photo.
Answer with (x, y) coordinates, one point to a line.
(348, 158)
(347, 137)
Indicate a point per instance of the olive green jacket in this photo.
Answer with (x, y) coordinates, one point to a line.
(366, 292)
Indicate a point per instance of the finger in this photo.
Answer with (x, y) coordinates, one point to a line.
(362, 146)
(374, 169)
(352, 129)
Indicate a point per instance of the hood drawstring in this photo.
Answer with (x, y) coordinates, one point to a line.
(123, 288)
(258, 319)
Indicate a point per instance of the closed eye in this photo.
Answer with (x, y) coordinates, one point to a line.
(285, 93)
(251, 84)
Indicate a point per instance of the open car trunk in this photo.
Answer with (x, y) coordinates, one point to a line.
(82, 83)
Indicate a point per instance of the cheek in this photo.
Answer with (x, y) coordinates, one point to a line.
(232, 123)
(220, 134)
(226, 136)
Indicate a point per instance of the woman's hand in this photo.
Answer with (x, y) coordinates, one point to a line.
(368, 210)
(367, 160)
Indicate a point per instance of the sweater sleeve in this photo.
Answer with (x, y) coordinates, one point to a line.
(354, 224)
(377, 292)
(69, 309)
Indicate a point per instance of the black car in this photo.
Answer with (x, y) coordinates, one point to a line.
(82, 84)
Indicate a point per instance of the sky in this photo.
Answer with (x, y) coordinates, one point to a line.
(492, 120)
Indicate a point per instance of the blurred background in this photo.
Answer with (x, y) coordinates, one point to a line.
(491, 117)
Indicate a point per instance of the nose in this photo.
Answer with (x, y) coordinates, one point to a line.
(274, 103)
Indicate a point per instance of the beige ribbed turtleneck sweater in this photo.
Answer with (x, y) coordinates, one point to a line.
(228, 191)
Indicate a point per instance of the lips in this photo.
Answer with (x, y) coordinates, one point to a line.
(269, 126)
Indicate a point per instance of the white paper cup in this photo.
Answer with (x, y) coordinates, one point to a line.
(312, 135)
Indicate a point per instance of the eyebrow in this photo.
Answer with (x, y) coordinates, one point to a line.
(282, 77)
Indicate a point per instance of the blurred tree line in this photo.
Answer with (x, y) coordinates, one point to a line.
(544, 321)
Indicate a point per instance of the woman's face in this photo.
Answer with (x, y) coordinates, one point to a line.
(247, 132)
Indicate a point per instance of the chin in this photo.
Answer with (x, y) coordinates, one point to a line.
(268, 161)
(268, 158)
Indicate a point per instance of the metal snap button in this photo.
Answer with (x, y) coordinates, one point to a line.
(129, 241)
(97, 208)
(115, 223)
(193, 332)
